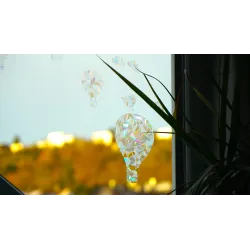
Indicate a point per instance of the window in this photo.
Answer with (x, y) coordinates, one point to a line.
(54, 141)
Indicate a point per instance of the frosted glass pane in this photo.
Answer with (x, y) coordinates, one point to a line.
(39, 95)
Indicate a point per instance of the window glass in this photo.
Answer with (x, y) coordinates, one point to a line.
(54, 141)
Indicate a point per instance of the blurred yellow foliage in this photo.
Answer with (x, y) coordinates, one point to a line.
(80, 165)
(15, 147)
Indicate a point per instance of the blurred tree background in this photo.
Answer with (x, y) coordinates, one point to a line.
(80, 166)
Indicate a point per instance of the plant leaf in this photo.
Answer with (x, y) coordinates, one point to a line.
(204, 100)
(177, 102)
(181, 186)
(223, 110)
(158, 98)
(234, 127)
(157, 109)
(217, 86)
(160, 132)
(207, 137)
(200, 95)
(158, 81)
(206, 172)
(205, 184)
(205, 154)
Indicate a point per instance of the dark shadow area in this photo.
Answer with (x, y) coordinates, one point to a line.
(223, 81)
(6, 188)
